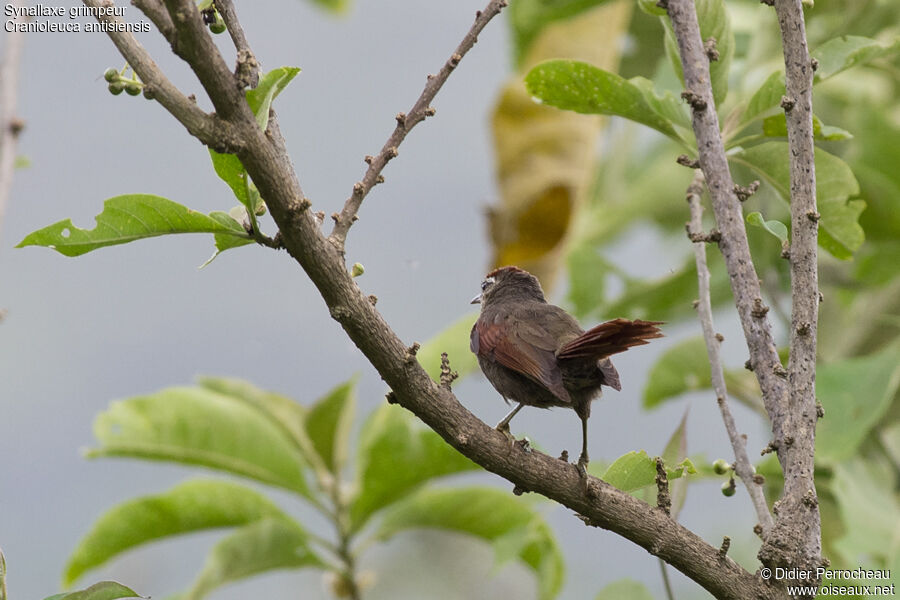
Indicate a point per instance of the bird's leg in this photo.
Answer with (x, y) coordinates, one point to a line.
(583, 460)
(503, 426)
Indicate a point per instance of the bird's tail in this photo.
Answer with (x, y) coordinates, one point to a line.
(610, 338)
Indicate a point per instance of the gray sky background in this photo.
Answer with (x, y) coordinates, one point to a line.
(136, 318)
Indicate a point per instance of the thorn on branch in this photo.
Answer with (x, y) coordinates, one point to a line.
(748, 365)
(663, 499)
(743, 193)
(720, 337)
(814, 64)
(709, 46)
(723, 550)
(564, 456)
(379, 179)
(519, 490)
(821, 297)
(787, 103)
(335, 217)
(447, 376)
(694, 99)
(820, 410)
(813, 216)
(758, 530)
(714, 235)
(412, 351)
(392, 152)
(401, 119)
(770, 447)
(358, 188)
(391, 397)
(368, 158)
(686, 161)
(759, 309)
(430, 111)
(695, 304)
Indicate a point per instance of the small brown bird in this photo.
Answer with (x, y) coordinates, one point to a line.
(536, 354)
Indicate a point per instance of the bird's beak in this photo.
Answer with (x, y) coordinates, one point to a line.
(476, 300)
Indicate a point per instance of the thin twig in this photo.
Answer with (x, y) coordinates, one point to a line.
(704, 312)
(247, 66)
(10, 125)
(405, 123)
(799, 504)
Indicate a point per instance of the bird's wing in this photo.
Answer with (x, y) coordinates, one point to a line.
(610, 338)
(522, 347)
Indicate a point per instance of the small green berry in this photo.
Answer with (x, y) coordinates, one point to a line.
(116, 88)
(218, 27)
(148, 93)
(357, 270)
(133, 88)
(111, 74)
(728, 488)
(721, 466)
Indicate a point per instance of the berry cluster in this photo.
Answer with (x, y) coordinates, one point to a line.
(119, 83)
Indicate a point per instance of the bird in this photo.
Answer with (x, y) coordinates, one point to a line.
(536, 354)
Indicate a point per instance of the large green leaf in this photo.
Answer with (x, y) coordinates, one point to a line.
(395, 456)
(270, 85)
(199, 426)
(126, 219)
(279, 409)
(513, 527)
(714, 23)
(454, 340)
(580, 87)
(841, 53)
(839, 230)
(191, 506)
(105, 590)
(625, 589)
(328, 424)
(776, 126)
(856, 393)
(265, 545)
(528, 17)
(764, 101)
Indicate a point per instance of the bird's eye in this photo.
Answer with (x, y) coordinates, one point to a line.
(486, 283)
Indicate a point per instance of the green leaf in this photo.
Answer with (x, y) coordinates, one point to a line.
(636, 469)
(188, 507)
(395, 456)
(856, 393)
(454, 340)
(776, 126)
(105, 590)
(227, 241)
(265, 545)
(126, 219)
(580, 87)
(280, 410)
(714, 22)
(528, 17)
(625, 589)
(841, 53)
(870, 512)
(669, 298)
(328, 424)
(775, 227)
(682, 368)
(839, 230)
(665, 104)
(675, 453)
(202, 427)
(270, 85)
(335, 6)
(490, 514)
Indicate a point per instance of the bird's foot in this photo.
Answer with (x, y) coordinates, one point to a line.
(582, 464)
(504, 429)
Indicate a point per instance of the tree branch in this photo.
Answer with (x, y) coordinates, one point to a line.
(209, 129)
(10, 125)
(264, 156)
(799, 528)
(742, 464)
(247, 68)
(405, 123)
